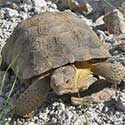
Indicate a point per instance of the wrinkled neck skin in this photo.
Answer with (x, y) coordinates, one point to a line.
(83, 74)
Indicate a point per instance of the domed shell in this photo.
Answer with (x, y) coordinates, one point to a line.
(50, 40)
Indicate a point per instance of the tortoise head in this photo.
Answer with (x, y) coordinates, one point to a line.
(63, 80)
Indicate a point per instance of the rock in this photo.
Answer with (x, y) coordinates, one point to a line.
(121, 47)
(23, 15)
(36, 10)
(6, 28)
(3, 2)
(2, 13)
(9, 13)
(12, 6)
(115, 22)
(80, 6)
(75, 5)
(99, 21)
(28, 2)
(39, 3)
(30, 123)
(120, 101)
(96, 7)
(122, 8)
(52, 7)
(25, 7)
(1, 102)
(12, 1)
(102, 36)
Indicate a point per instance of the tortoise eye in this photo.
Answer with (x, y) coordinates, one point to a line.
(67, 81)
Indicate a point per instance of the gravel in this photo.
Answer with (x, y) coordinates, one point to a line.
(55, 110)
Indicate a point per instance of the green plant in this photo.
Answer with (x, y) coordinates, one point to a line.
(108, 2)
(3, 113)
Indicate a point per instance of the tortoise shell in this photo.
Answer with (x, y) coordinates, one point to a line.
(50, 40)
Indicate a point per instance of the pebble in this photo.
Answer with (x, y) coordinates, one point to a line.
(28, 2)
(100, 21)
(115, 22)
(2, 14)
(39, 3)
(30, 123)
(9, 13)
(26, 8)
(23, 15)
(121, 47)
(120, 102)
(1, 102)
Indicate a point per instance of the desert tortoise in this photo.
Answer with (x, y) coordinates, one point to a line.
(57, 43)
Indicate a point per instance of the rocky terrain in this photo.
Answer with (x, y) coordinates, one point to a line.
(109, 26)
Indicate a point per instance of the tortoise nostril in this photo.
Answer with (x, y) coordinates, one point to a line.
(67, 81)
(56, 84)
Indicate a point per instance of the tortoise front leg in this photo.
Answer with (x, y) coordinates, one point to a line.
(98, 97)
(113, 73)
(99, 91)
(32, 98)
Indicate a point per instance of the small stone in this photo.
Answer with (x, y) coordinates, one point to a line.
(7, 123)
(12, 1)
(13, 6)
(80, 6)
(1, 14)
(36, 10)
(39, 3)
(101, 35)
(28, 2)
(9, 13)
(30, 123)
(26, 8)
(19, 122)
(23, 15)
(99, 21)
(121, 47)
(52, 7)
(120, 102)
(35, 119)
(75, 5)
(43, 116)
(115, 22)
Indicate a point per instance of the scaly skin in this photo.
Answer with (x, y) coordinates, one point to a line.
(69, 79)
(114, 73)
(104, 95)
(80, 77)
(32, 98)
